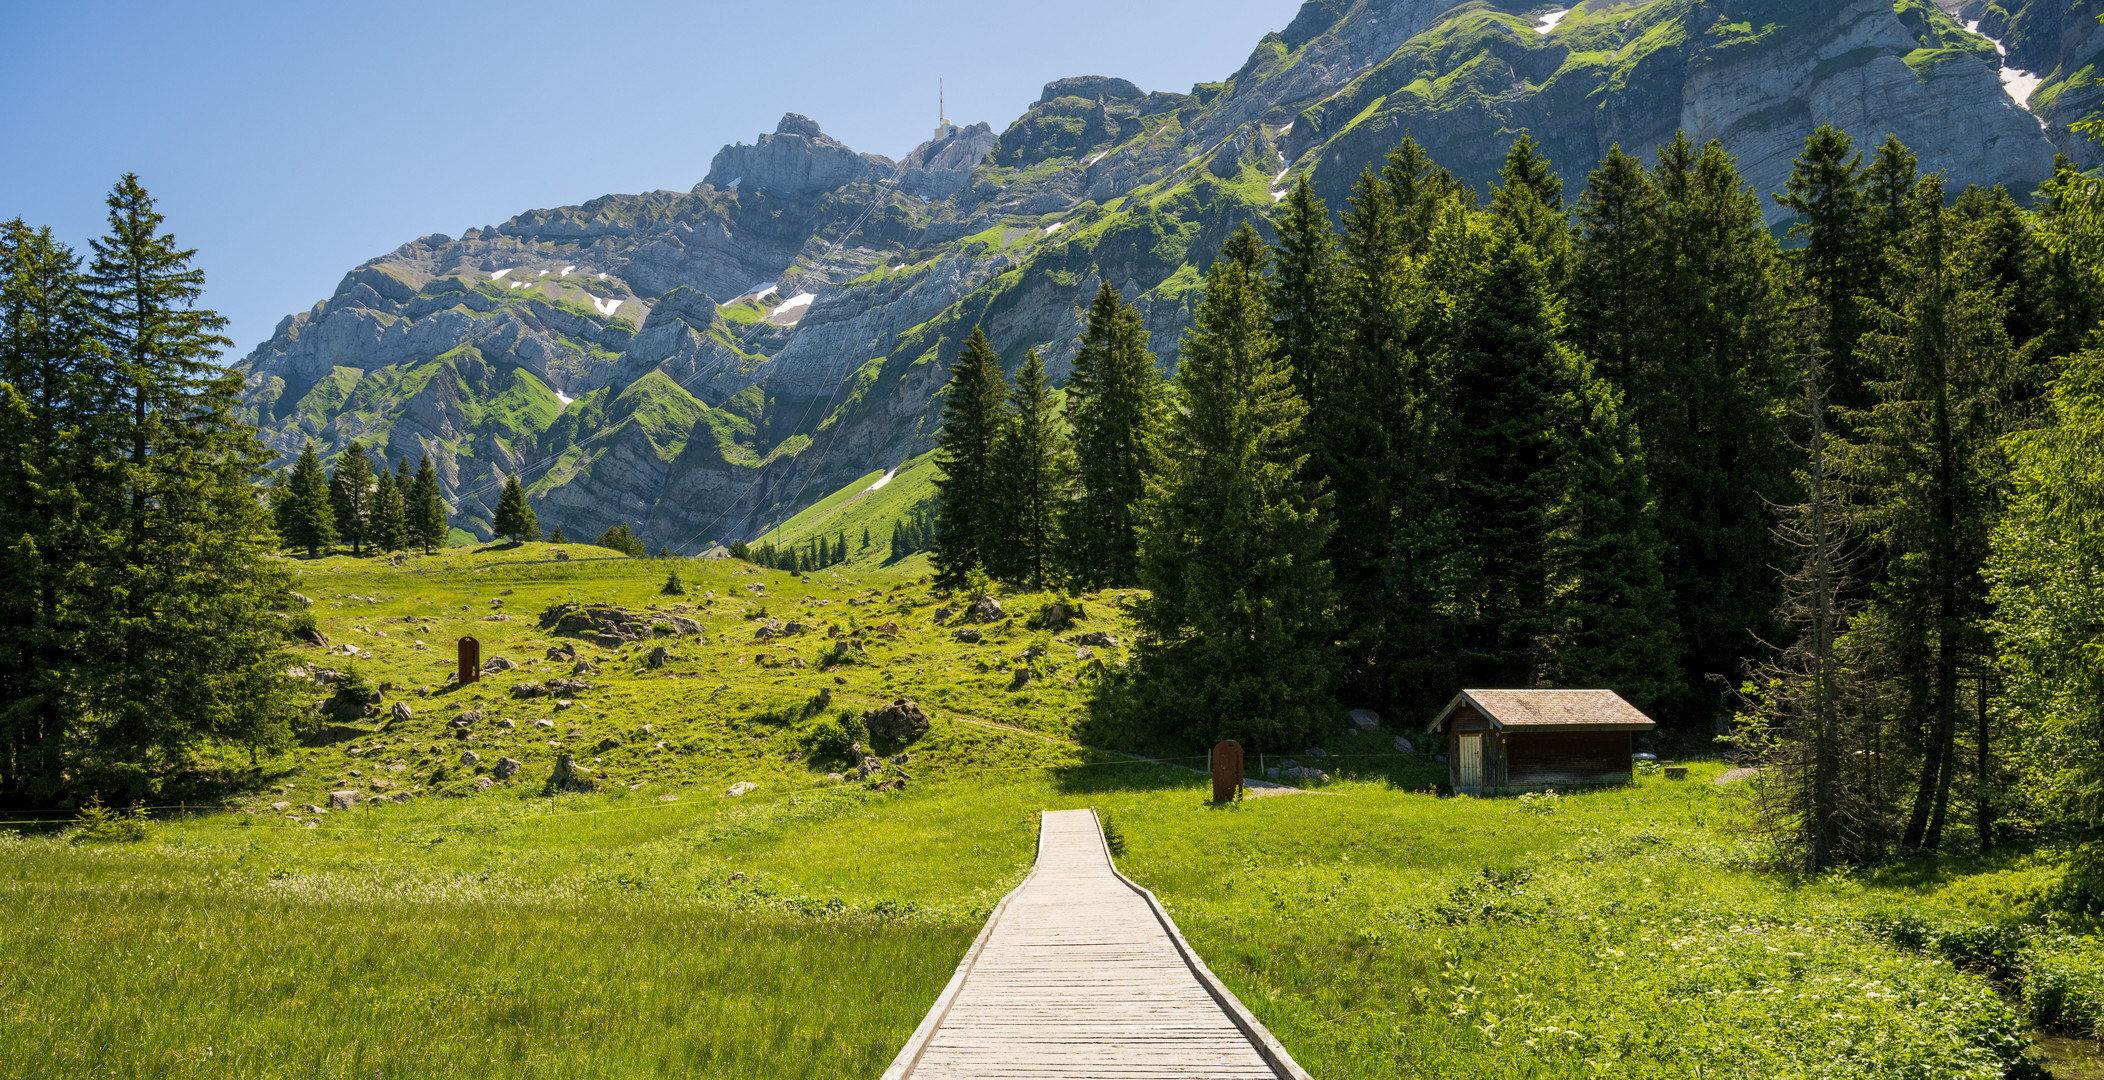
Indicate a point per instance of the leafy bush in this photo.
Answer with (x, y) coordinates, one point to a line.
(1538, 802)
(2063, 985)
(98, 824)
(1493, 895)
(836, 735)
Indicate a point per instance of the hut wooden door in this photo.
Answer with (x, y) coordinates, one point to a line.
(1468, 761)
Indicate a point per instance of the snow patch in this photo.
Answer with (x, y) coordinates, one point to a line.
(756, 293)
(564, 398)
(606, 306)
(898, 268)
(2018, 84)
(518, 284)
(734, 183)
(791, 308)
(602, 275)
(882, 480)
(1288, 129)
(1278, 192)
(498, 275)
(1098, 157)
(566, 271)
(1054, 227)
(1548, 22)
(542, 274)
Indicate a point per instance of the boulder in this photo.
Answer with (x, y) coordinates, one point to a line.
(506, 723)
(483, 783)
(506, 767)
(1404, 745)
(901, 720)
(569, 776)
(942, 615)
(344, 800)
(468, 718)
(1096, 638)
(583, 667)
(470, 758)
(1021, 680)
(567, 686)
(608, 743)
(1363, 719)
(347, 709)
(529, 689)
(544, 723)
(889, 629)
(740, 788)
(498, 663)
(281, 807)
(968, 635)
(987, 609)
(1084, 653)
(658, 657)
(565, 651)
(312, 637)
(402, 712)
(893, 784)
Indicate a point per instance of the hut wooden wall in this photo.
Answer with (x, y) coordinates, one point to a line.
(1542, 759)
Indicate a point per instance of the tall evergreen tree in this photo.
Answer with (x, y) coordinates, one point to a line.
(189, 644)
(1926, 464)
(1030, 468)
(975, 408)
(427, 510)
(1237, 640)
(390, 517)
(1114, 405)
(304, 517)
(515, 517)
(351, 489)
(1840, 259)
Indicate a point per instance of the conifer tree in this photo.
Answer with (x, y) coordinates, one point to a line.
(351, 489)
(304, 516)
(1237, 638)
(1114, 405)
(186, 623)
(865, 538)
(974, 410)
(428, 524)
(390, 514)
(1840, 258)
(1529, 199)
(514, 517)
(1030, 471)
(1926, 466)
(555, 536)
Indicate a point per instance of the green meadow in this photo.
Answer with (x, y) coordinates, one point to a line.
(659, 926)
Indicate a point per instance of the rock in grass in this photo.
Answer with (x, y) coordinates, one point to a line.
(1404, 746)
(942, 615)
(544, 723)
(507, 767)
(569, 776)
(658, 657)
(1097, 638)
(344, 800)
(968, 635)
(468, 718)
(402, 712)
(498, 663)
(901, 720)
(988, 609)
(483, 783)
(740, 788)
(469, 757)
(1363, 719)
(281, 807)
(529, 689)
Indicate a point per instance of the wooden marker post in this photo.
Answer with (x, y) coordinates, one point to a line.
(1227, 771)
(470, 661)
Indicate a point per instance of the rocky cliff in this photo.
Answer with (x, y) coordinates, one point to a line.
(702, 364)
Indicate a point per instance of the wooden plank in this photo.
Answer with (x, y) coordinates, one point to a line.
(1080, 973)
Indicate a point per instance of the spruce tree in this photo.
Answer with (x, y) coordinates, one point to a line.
(1236, 637)
(514, 517)
(1029, 470)
(555, 536)
(390, 515)
(351, 489)
(428, 524)
(1928, 477)
(974, 410)
(1621, 259)
(305, 518)
(1114, 404)
(865, 538)
(191, 642)
(1839, 261)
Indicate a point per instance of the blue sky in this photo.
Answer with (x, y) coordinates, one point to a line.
(288, 142)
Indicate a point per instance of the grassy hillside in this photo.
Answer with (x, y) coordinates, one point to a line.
(660, 926)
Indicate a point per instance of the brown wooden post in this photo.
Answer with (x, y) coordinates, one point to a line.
(1227, 771)
(470, 660)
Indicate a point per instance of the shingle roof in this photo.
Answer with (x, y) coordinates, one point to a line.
(1566, 709)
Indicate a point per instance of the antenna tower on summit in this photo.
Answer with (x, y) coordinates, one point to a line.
(943, 128)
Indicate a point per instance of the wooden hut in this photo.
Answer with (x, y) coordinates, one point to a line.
(1506, 741)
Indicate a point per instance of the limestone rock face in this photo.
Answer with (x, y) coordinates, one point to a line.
(797, 159)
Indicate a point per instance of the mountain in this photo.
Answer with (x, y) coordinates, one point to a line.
(704, 364)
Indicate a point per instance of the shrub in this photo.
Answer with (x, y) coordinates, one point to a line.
(835, 736)
(98, 824)
(2063, 985)
(674, 586)
(1538, 802)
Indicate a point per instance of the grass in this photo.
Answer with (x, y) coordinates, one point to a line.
(661, 927)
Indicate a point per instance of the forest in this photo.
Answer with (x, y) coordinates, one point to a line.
(1823, 497)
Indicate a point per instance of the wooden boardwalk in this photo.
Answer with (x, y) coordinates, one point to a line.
(1081, 974)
